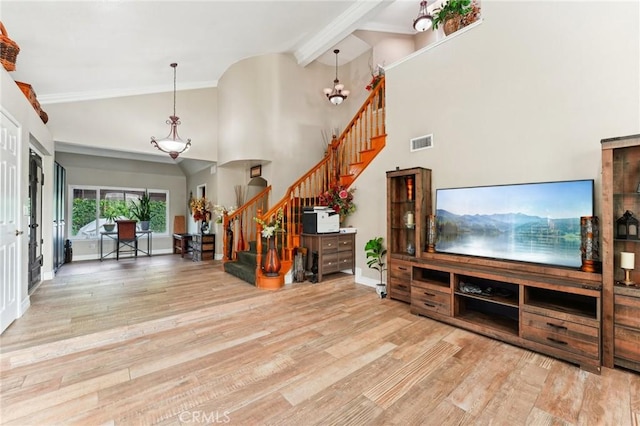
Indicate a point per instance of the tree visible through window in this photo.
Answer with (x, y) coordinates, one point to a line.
(88, 216)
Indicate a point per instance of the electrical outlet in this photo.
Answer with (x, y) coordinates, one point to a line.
(92, 245)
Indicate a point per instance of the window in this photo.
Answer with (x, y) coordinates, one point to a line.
(88, 216)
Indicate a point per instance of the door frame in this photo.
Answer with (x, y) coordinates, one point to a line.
(17, 266)
(35, 155)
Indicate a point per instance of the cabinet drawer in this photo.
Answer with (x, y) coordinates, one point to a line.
(207, 247)
(329, 244)
(345, 243)
(399, 289)
(400, 270)
(330, 263)
(569, 336)
(345, 260)
(430, 301)
(627, 311)
(627, 344)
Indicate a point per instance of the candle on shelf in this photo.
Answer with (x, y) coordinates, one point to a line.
(627, 260)
(409, 218)
(627, 263)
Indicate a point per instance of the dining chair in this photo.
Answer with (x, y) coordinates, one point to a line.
(127, 241)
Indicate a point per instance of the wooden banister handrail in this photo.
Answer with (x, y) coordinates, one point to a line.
(336, 167)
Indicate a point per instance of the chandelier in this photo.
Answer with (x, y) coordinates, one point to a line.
(337, 94)
(424, 20)
(172, 144)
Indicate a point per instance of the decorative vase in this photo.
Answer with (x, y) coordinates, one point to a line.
(270, 261)
(432, 233)
(452, 25)
(240, 246)
(204, 228)
(381, 290)
(589, 244)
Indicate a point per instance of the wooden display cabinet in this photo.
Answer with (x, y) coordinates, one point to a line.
(408, 204)
(551, 310)
(621, 303)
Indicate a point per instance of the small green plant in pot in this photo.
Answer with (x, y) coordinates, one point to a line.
(375, 252)
(142, 210)
(111, 215)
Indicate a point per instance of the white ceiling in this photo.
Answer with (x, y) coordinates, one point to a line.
(75, 50)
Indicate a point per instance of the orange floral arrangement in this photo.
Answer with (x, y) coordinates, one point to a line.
(201, 209)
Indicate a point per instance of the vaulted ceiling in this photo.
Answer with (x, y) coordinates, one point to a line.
(76, 50)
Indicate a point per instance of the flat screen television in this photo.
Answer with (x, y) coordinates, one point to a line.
(532, 222)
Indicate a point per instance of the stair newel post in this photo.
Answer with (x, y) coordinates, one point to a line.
(258, 242)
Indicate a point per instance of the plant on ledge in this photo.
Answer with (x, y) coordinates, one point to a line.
(340, 199)
(455, 14)
(376, 76)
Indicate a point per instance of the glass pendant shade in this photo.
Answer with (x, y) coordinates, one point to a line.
(424, 20)
(336, 95)
(172, 144)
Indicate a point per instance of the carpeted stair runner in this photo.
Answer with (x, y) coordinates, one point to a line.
(244, 267)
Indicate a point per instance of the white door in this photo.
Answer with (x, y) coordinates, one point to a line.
(9, 220)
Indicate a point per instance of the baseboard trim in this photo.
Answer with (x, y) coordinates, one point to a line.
(97, 256)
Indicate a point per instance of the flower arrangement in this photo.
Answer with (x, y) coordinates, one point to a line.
(376, 76)
(269, 229)
(201, 209)
(219, 211)
(340, 199)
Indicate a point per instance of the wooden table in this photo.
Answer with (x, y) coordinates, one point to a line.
(182, 243)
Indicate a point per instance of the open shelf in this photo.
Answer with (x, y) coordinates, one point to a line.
(575, 304)
(506, 301)
(432, 277)
(504, 324)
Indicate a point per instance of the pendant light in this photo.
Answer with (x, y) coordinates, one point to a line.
(337, 94)
(424, 20)
(172, 144)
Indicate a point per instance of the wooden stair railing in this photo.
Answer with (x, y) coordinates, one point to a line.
(242, 225)
(349, 154)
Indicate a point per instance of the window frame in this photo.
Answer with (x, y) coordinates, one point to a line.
(98, 189)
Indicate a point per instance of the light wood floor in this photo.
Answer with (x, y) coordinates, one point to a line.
(168, 341)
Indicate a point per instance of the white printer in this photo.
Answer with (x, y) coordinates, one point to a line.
(320, 220)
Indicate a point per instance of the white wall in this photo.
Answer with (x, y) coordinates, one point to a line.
(127, 123)
(525, 96)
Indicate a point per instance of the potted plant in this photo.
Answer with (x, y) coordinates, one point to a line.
(375, 252)
(142, 210)
(455, 14)
(111, 215)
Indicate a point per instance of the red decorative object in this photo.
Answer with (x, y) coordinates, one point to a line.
(270, 261)
(410, 188)
(240, 238)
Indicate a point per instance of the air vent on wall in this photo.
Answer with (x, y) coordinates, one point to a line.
(422, 142)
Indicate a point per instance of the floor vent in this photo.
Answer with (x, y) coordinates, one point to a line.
(422, 142)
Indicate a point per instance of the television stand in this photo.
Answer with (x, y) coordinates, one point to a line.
(551, 310)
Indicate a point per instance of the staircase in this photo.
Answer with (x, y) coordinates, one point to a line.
(348, 155)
